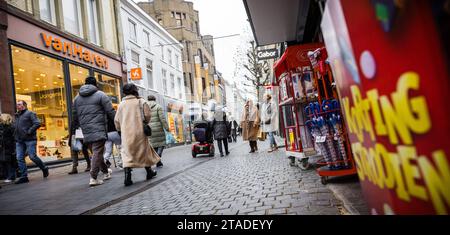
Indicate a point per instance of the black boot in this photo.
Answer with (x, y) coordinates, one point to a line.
(127, 181)
(74, 170)
(150, 173)
(159, 164)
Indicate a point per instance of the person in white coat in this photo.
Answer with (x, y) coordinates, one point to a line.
(269, 117)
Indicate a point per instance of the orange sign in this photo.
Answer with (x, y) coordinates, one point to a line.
(72, 49)
(136, 74)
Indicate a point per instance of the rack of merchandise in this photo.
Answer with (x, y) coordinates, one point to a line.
(310, 112)
(325, 122)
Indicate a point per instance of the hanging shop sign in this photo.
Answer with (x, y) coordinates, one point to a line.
(393, 80)
(267, 54)
(136, 74)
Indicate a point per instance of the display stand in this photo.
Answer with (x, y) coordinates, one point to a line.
(310, 112)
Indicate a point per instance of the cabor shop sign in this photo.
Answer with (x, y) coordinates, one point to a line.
(267, 54)
(70, 49)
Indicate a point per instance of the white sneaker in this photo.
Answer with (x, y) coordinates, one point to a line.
(108, 175)
(95, 182)
(7, 181)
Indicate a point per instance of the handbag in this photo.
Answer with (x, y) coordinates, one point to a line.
(79, 134)
(261, 135)
(147, 128)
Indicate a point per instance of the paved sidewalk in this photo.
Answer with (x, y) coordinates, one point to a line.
(239, 184)
(70, 194)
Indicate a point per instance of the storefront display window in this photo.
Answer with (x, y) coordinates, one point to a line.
(111, 87)
(39, 80)
(77, 76)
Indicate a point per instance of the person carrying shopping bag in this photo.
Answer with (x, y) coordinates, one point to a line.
(250, 125)
(269, 118)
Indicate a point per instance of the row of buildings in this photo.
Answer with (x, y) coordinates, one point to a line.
(48, 47)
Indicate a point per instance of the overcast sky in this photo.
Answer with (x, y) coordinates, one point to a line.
(221, 18)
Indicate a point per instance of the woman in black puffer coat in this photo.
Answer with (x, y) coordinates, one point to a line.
(8, 147)
(221, 133)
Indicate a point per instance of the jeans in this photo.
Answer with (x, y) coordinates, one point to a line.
(272, 139)
(98, 164)
(225, 143)
(29, 147)
(159, 151)
(113, 138)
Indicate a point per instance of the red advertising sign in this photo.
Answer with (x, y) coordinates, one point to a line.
(390, 66)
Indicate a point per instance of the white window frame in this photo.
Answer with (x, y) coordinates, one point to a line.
(162, 52)
(177, 63)
(149, 70)
(180, 88)
(80, 22)
(172, 85)
(93, 19)
(147, 43)
(169, 55)
(132, 23)
(164, 81)
(52, 11)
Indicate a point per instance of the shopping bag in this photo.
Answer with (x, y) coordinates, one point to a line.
(261, 135)
(79, 134)
(169, 138)
(76, 144)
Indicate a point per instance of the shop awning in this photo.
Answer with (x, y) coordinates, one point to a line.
(294, 57)
(277, 21)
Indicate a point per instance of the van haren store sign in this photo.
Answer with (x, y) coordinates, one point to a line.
(70, 49)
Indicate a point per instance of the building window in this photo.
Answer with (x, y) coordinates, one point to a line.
(133, 32)
(169, 55)
(147, 40)
(94, 35)
(47, 11)
(177, 62)
(188, 54)
(172, 14)
(178, 19)
(72, 17)
(197, 28)
(200, 54)
(164, 81)
(135, 59)
(172, 85)
(180, 89)
(26, 5)
(149, 68)
(184, 15)
(162, 51)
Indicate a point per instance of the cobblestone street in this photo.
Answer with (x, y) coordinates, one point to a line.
(239, 184)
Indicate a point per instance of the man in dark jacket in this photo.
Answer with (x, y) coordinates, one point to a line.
(26, 126)
(91, 111)
(220, 127)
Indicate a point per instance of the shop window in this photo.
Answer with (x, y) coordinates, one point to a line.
(39, 80)
(110, 86)
(47, 11)
(92, 13)
(72, 17)
(77, 77)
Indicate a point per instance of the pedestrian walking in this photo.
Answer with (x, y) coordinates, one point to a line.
(113, 139)
(159, 127)
(8, 147)
(220, 129)
(250, 125)
(234, 129)
(136, 150)
(91, 110)
(269, 116)
(75, 153)
(26, 126)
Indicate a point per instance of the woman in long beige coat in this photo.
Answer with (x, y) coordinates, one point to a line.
(136, 150)
(250, 125)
